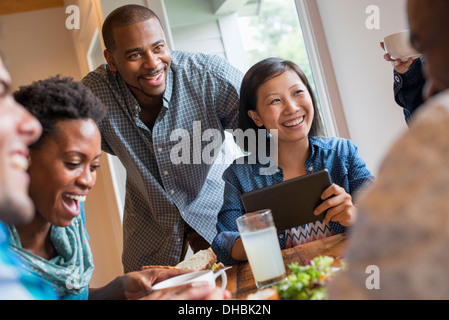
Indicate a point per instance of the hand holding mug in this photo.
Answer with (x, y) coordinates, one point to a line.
(399, 65)
(399, 51)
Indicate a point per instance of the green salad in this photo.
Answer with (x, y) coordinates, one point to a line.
(307, 282)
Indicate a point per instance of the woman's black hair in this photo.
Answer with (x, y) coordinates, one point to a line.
(257, 75)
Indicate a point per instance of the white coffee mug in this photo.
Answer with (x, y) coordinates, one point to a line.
(399, 47)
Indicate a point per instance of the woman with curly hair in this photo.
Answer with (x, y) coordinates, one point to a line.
(62, 170)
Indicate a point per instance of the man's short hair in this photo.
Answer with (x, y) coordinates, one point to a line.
(123, 17)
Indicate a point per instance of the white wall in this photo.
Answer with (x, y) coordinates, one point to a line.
(29, 42)
(103, 221)
(195, 28)
(364, 78)
(205, 38)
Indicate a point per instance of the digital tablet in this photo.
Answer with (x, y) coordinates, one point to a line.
(292, 202)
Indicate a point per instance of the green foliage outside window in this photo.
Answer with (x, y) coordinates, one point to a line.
(276, 32)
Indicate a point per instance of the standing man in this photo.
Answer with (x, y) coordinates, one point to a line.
(402, 231)
(149, 93)
(18, 129)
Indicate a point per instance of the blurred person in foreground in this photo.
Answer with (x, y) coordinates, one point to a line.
(62, 170)
(403, 222)
(18, 129)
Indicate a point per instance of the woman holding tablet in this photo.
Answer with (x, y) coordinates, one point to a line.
(276, 97)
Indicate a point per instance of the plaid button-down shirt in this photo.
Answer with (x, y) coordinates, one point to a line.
(160, 194)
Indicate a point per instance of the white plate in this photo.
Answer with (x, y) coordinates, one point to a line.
(197, 276)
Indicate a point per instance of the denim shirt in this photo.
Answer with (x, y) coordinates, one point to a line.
(339, 156)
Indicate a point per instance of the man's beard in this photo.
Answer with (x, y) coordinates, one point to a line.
(149, 95)
(153, 96)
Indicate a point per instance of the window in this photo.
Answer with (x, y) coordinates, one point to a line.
(292, 30)
(275, 31)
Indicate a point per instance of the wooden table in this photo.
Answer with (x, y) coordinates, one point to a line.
(240, 278)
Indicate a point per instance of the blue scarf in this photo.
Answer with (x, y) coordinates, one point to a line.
(71, 270)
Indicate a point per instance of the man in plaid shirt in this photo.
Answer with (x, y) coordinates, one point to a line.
(151, 94)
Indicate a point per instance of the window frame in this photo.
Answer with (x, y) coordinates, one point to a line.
(322, 68)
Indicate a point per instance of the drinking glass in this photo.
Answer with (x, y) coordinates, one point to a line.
(262, 248)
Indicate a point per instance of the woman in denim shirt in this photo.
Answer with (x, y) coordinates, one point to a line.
(276, 97)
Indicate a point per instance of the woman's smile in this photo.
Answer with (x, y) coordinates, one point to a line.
(71, 203)
(295, 123)
(284, 104)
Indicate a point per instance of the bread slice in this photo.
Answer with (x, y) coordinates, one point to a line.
(202, 260)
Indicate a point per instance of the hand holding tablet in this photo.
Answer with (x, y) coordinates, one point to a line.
(292, 202)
